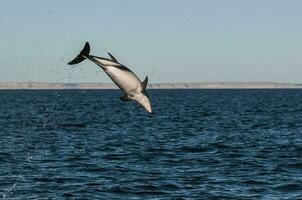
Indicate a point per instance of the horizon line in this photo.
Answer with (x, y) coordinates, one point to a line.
(192, 85)
(194, 82)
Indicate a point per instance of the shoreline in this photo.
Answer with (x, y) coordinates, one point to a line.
(197, 85)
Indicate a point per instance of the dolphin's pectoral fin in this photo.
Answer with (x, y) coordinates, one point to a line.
(146, 93)
(144, 84)
(112, 58)
(125, 98)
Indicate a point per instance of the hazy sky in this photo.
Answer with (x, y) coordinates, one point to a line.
(169, 40)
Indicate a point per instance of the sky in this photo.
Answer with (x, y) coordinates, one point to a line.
(168, 40)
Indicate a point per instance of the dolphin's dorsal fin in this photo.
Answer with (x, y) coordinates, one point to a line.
(112, 58)
(144, 84)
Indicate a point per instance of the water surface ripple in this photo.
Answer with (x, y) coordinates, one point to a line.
(200, 144)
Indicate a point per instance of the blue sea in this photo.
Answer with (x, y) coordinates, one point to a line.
(200, 144)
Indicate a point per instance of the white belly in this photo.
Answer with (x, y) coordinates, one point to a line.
(125, 80)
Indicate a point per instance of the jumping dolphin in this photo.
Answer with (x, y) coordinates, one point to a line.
(123, 77)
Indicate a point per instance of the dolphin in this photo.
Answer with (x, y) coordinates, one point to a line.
(123, 77)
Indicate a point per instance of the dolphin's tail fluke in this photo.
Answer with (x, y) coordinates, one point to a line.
(82, 56)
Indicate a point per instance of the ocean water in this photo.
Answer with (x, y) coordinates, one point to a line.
(200, 144)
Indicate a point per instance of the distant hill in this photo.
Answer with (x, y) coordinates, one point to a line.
(202, 85)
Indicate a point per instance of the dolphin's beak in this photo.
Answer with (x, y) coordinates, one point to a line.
(144, 101)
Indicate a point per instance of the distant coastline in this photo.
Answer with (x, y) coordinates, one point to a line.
(201, 85)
